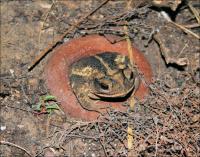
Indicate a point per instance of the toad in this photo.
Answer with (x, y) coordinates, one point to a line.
(107, 76)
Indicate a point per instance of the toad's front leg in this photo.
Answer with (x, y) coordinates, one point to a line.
(86, 100)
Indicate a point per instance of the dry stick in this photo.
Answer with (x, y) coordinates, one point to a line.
(14, 145)
(17, 108)
(130, 131)
(185, 30)
(45, 18)
(157, 137)
(194, 25)
(130, 135)
(195, 12)
(61, 37)
(104, 150)
(166, 16)
(129, 45)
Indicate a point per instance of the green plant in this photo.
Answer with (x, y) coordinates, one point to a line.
(46, 104)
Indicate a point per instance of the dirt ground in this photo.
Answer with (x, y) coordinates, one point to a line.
(165, 123)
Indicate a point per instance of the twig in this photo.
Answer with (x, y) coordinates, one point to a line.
(129, 45)
(42, 27)
(166, 16)
(83, 137)
(61, 37)
(104, 150)
(194, 25)
(185, 30)
(24, 93)
(157, 135)
(132, 100)
(14, 145)
(195, 12)
(17, 108)
(186, 45)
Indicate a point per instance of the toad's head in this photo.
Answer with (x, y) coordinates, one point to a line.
(107, 75)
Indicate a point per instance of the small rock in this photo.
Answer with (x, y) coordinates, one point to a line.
(2, 128)
(33, 82)
(49, 153)
(12, 72)
(196, 118)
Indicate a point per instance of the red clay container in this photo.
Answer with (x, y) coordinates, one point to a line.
(56, 71)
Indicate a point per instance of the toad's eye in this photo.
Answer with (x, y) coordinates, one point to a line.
(128, 73)
(102, 84)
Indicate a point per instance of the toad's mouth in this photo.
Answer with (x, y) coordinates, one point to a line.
(121, 97)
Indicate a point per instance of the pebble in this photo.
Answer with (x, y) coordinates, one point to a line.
(33, 82)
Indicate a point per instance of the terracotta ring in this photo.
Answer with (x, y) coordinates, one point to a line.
(57, 69)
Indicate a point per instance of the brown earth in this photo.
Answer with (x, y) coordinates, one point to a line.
(166, 123)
